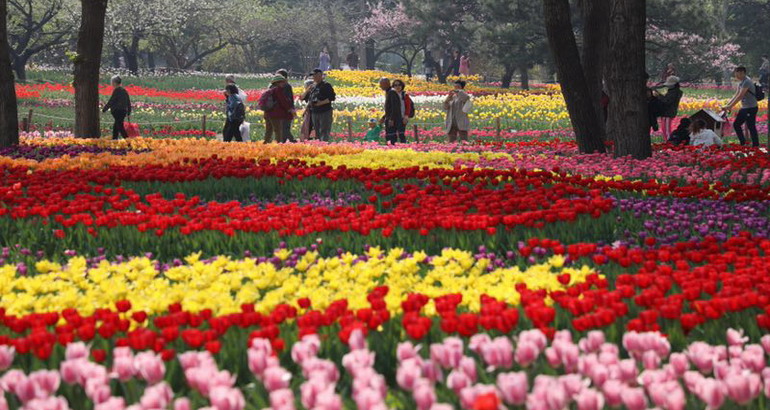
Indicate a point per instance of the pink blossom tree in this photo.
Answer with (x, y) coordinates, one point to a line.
(390, 29)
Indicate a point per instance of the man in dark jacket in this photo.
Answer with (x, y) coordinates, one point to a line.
(393, 116)
(287, 135)
(320, 99)
(120, 107)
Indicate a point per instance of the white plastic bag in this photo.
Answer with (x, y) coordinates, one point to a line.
(468, 106)
(245, 130)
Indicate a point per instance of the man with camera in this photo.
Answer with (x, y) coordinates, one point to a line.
(319, 99)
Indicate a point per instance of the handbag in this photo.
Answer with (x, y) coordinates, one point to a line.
(468, 106)
(245, 130)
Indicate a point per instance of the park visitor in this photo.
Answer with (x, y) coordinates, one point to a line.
(374, 131)
(457, 121)
(278, 110)
(669, 104)
(307, 121)
(325, 60)
(429, 65)
(119, 106)
(700, 136)
(236, 114)
(394, 116)
(453, 65)
(747, 96)
(352, 59)
(319, 99)
(681, 135)
(465, 65)
(230, 79)
(764, 72)
(407, 107)
(289, 91)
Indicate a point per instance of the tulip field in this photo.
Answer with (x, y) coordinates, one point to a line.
(175, 271)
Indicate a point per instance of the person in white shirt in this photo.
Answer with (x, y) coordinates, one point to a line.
(700, 136)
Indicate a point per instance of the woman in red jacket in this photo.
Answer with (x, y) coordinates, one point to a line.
(278, 109)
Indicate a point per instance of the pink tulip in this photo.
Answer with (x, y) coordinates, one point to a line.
(468, 395)
(113, 403)
(431, 371)
(182, 403)
(711, 392)
(592, 342)
(447, 354)
(534, 336)
(613, 392)
(458, 380)
(765, 342)
(227, 398)
(357, 359)
(743, 387)
(157, 396)
(3, 402)
(526, 353)
(468, 366)
(70, 371)
(328, 400)
(513, 387)
(633, 398)
(441, 406)
(77, 350)
(7, 354)
(424, 394)
(498, 354)
(589, 399)
(628, 370)
(407, 350)
(123, 368)
(150, 367)
(305, 349)
(702, 356)
(357, 340)
(368, 399)
(679, 363)
(310, 390)
(754, 358)
(276, 378)
(573, 384)
(26, 390)
(736, 338)
(48, 403)
(258, 361)
(478, 341)
(556, 398)
(668, 395)
(98, 392)
(282, 399)
(407, 374)
(46, 381)
(325, 369)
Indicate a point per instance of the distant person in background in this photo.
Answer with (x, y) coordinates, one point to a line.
(465, 65)
(119, 106)
(236, 113)
(320, 99)
(325, 60)
(407, 109)
(230, 80)
(668, 71)
(352, 59)
(289, 91)
(764, 72)
(457, 121)
(747, 96)
(393, 119)
(700, 136)
(670, 104)
(453, 67)
(429, 64)
(681, 135)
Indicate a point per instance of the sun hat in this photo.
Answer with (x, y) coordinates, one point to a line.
(671, 81)
(277, 79)
(372, 120)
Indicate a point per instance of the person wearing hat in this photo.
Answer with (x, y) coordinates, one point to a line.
(319, 99)
(669, 104)
(278, 110)
(289, 91)
(457, 122)
(375, 130)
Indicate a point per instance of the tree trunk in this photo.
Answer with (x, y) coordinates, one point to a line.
(507, 77)
(9, 121)
(370, 59)
(627, 87)
(20, 68)
(596, 14)
(561, 38)
(334, 46)
(116, 58)
(151, 61)
(132, 56)
(87, 62)
(524, 71)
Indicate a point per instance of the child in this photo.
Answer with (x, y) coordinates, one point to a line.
(374, 131)
(681, 135)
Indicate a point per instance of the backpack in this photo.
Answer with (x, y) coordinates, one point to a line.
(759, 92)
(409, 104)
(267, 100)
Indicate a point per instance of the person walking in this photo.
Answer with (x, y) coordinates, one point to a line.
(670, 104)
(393, 118)
(307, 121)
(457, 121)
(278, 109)
(747, 96)
(119, 106)
(352, 59)
(320, 99)
(407, 108)
(465, 65)
(230, 80)
(453, 67)
(236, 114)
(289, 91)
(325, 60)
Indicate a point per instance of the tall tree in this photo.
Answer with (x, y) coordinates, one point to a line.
(35, 26)
(626, 81)
(574, 83)
(201, 31)
(87, 62)
(9, 122)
